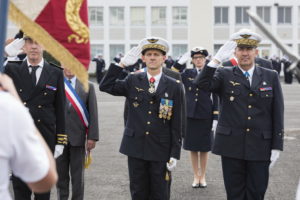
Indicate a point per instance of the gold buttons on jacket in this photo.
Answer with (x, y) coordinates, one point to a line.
(24, 103)
(151, 102)
(196, 94)
(149, 112)
(197, 89)
(248, 129)
(249, 106)
(250, 94)
(39, 106)
(148, 122)
(196, 99)
(38, 120)
(20, 90)
(249, 118)
(45, 93)
(147, 133)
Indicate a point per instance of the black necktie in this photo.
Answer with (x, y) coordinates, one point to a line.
(33, 74)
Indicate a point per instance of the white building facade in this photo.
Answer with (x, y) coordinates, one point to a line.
(117, 25)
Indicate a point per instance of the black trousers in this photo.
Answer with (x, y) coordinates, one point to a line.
(245, 180)
(71, 162)
(148, 180)
(23, 192)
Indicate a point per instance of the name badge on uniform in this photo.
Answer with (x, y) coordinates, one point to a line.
(165, 109)
(51, 87)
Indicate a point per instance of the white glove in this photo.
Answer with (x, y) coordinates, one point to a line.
(214, 125)
(171, 165)
(184, 58)
(15, 48)
(131, 56)
(226, 51)
(274, 156)
(59, 149)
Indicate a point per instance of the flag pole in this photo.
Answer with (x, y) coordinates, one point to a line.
(3, 24)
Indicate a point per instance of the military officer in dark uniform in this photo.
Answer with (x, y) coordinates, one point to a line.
(173, 74)
(152, 136)
(41, 88)
(250, 128)
(100, 66)
(201, 111)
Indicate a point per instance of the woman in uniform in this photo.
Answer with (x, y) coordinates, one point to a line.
(201, 112)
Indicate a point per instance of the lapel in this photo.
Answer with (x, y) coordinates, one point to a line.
(78, 89)
(257, 77)
(45, 75)
(194, 72)
(240, 77)
(162, 84)
(26, 80)
(143, 82)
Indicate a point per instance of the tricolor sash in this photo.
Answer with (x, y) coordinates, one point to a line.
(77, 103)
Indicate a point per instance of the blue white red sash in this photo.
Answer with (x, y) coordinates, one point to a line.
(77, 103)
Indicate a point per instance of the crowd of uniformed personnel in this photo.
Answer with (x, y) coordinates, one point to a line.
(231, 105)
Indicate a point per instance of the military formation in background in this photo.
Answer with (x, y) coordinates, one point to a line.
(230, 104)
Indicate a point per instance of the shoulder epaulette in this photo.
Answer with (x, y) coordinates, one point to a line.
(55, 65)
(15, 61)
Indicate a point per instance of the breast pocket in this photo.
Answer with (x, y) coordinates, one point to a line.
(135, 100)
(266, 94)
(232, 94)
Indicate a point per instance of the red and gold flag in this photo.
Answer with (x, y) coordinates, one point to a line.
(60, 26)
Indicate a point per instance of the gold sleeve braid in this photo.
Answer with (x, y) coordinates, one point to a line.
(62, 139)
(216, 112)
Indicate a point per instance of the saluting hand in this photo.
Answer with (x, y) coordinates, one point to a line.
(131, 56)
(15, 48)
(184, 58)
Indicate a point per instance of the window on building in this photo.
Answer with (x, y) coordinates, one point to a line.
(158, 15)
(178, 50)
(179, 15)
(96, 49)
(221, 15)
(137, 15)
(241, 16)
(264, 12)
(299, 15)
(284, 15)
(217, 47)
(96, 16)
(116, 16)
(116, 50)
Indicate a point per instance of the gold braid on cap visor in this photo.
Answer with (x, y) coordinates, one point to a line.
(246, 41)
(155, 46)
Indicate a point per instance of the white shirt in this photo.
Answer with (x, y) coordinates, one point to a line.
(157, 78)
(250, 71)
(38, 71)
(20, 148)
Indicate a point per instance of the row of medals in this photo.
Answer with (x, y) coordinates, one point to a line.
(165, 111)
